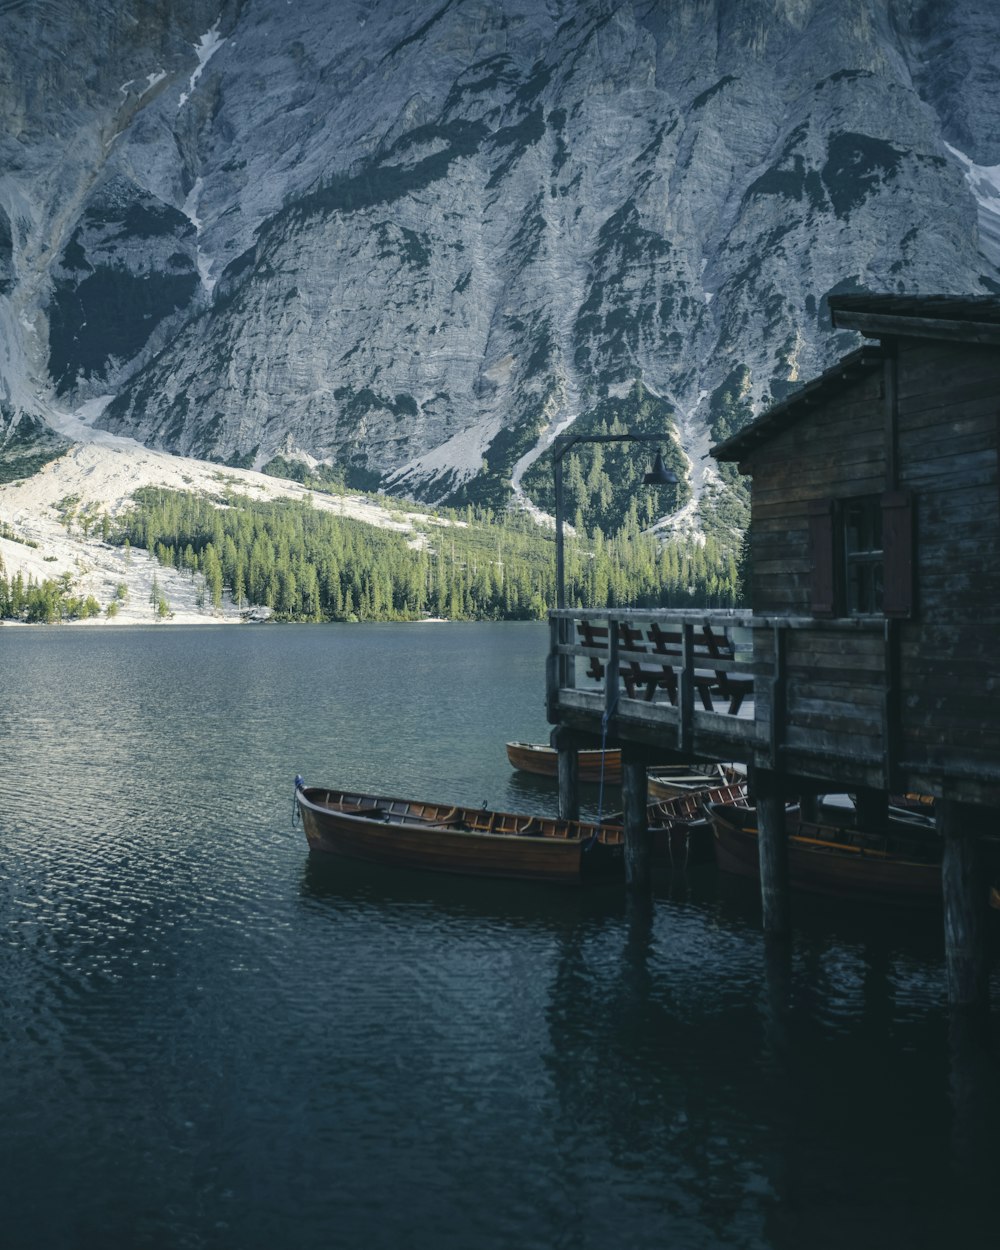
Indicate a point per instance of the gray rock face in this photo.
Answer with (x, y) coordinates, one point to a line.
(409, 239)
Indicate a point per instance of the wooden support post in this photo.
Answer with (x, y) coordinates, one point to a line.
(871, 810)
(809, 807)
(778, 696)
(685, 700)
(638, 873)
(554, 669)
(773, 849)
(963, 885)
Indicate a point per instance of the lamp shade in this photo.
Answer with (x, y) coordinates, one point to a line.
(659, 474)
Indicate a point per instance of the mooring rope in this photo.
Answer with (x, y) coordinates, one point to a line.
(606, 716)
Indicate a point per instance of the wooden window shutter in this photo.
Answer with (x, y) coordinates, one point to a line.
(822, 537)
(897, 547)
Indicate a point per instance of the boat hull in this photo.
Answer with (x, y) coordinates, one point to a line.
(681, 833)
(543, 761)
(469, 841)
(821, 861)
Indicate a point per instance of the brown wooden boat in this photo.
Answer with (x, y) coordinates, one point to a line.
(441, 837)
(680, 828)
(671, 781)
(543, 761)
(903, 866)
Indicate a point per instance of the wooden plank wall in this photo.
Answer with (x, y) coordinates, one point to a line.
(838, 450)
(833, 700)
(835, 695)
(949, 407)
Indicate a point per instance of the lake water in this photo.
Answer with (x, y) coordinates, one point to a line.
(208, 1039)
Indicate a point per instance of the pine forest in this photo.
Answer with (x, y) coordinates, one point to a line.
(303, 563)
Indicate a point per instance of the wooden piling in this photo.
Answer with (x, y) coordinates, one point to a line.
(963, 885)
(809, 807)
(638, 873)
(872, 807)
(773, 851)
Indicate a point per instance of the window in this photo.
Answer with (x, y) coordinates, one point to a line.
(863, 555)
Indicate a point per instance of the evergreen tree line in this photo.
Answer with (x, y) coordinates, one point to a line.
(306, 564)
(44, 602)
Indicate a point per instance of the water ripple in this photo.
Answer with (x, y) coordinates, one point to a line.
(222, 1038)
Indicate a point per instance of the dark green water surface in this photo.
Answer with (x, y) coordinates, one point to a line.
(208, 1039)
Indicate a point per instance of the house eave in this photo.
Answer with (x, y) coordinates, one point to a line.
(882, 326)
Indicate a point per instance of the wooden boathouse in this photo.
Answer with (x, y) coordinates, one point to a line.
(869, 661)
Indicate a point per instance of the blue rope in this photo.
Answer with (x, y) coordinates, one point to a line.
(608, 712)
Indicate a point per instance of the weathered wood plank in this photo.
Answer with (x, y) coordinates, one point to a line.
(824, 637)
(866, 748)
(965, 652)
(830, 448)
(842, 671)
(933, 441)
(783, 566)
(864, 478)
(776, 596)
(801, 718)
(951, 726)
(837, 693)
(961, 473)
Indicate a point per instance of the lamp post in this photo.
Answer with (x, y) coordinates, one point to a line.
(659, 475)
(634, 770)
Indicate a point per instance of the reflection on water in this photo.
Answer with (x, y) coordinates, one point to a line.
(210, 1038)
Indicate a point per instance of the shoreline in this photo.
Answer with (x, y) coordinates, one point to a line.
(43, 538)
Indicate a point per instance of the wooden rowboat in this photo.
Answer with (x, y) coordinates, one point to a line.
(543, 761)
(671, 781)
(441, 837)
(680, 829)
(901, 866)
(664, 782)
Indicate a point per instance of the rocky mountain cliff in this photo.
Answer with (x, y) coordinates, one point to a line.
(411, 239)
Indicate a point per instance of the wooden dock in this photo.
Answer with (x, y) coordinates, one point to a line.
(824, 703)
(871, 660)
(818, 712)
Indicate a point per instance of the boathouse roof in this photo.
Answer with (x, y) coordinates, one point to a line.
(845, 372)
(968, 319)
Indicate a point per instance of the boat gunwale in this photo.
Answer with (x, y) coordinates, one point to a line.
(587, 831)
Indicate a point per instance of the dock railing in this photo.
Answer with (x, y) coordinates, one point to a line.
(724, 683)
